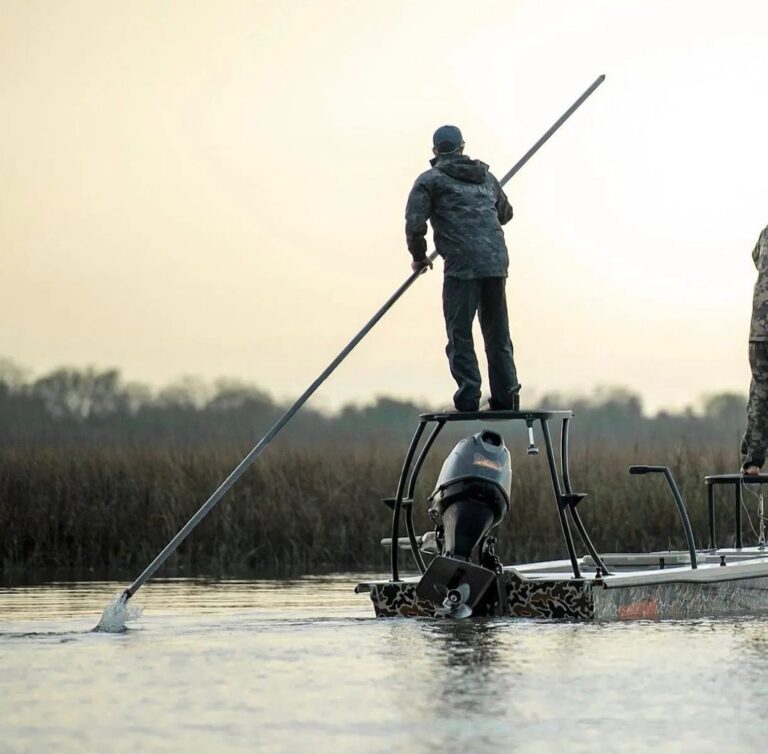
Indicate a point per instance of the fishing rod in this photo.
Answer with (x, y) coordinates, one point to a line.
(259, 448)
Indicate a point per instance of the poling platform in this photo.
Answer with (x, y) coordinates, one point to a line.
(464, 576)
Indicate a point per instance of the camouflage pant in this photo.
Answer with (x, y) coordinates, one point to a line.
(755, 442)
(462, 299)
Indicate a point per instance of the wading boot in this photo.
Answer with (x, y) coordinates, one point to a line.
(510, 403)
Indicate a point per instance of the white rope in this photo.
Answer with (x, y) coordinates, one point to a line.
(760, 512)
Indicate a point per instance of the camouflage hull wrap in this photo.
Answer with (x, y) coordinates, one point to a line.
(682, 600)
(551, 600)
(398, 599)
(564, 599)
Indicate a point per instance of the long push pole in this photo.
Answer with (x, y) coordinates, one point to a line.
(559, 122)
(304, 397)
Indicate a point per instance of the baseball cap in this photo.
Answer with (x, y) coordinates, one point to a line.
(447, 139)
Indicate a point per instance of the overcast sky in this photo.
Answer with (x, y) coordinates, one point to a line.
(217, 188)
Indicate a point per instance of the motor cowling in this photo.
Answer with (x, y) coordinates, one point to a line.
(472, 492)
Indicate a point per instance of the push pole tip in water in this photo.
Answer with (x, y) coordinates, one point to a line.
(116, 613)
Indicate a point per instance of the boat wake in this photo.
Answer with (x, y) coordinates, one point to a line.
(115, 615)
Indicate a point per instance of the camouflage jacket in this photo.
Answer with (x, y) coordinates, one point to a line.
(759, 327)
(467, 208)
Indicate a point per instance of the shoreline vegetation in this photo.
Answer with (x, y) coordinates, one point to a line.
(302, 510)
(72, 406)
(94, 477)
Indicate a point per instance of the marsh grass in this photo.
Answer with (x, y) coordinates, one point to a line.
(113, 509)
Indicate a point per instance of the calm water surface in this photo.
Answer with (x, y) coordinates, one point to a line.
(290, 666)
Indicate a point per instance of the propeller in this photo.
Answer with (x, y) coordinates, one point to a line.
(454, 602)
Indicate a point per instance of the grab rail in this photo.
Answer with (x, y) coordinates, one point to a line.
(678, 502)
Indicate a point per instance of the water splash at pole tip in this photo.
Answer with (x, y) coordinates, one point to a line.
(115, 615)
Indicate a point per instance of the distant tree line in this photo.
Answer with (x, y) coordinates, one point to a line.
(86, 406)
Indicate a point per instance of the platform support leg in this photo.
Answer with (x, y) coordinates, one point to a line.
(397, 507)
(561, 503)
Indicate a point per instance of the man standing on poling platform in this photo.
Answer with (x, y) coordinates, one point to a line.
(467, 207)
(755, 442)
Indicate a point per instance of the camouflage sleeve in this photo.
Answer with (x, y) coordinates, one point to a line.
(756, 250)
(503, 207)
(417, 212)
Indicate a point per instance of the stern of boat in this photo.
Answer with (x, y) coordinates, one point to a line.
(547, 599)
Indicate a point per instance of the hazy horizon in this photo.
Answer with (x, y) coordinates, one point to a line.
(202, 390)
(218, 189)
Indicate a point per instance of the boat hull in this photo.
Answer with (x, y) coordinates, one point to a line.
(712, 590)
(559, 599)
(681, 600)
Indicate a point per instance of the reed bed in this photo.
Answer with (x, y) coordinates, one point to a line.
(112, 509)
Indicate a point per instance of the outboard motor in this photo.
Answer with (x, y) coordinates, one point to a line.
(471, 497)
(472, 493)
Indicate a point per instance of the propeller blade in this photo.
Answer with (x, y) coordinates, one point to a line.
(457, 612)
(461, 612)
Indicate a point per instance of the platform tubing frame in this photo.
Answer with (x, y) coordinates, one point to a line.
(564, 433)
(740, 482)
(711, 512)
(411, 491)
(560, 502)
(406, 491)
(399, 497)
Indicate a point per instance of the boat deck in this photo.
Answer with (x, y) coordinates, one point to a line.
(629, 569)
(636, 569)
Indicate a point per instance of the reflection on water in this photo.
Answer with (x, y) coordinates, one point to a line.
(285, 666)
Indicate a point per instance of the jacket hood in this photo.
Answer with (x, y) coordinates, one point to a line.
(461, 167)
